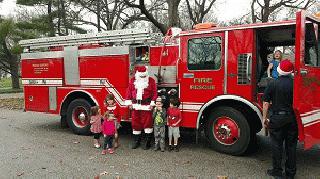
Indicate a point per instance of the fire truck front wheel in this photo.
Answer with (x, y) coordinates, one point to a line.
(228, 131)
(78, 116)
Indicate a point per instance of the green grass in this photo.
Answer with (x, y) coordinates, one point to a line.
(5, 83)
(5, 86)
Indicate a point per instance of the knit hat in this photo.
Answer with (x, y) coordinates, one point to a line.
(285, 67)
(141, 71)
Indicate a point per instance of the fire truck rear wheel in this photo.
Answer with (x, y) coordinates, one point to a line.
(78, 116)
(228, 131)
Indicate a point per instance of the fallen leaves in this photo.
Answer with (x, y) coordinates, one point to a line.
(20, 174)
(104, 173)
(12, 103)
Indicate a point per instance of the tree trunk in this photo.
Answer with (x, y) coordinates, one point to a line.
(98, 15)
(50, 20)
(14, 70)
(64, 17)
(173, 13)
(253, 14)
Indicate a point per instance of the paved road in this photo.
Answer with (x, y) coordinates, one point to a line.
(34, 146)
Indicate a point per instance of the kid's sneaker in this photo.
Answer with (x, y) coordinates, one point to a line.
(97, 146)
(110, 151)
(104, 152)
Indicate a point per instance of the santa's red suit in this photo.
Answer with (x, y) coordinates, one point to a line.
(141, 94)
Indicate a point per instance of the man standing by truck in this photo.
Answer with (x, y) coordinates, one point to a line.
(278, 101)
(141, 96)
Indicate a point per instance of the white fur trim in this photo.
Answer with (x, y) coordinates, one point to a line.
(127, 102)
(136, 132)
(148, 130)
(141, 107)
(140, 84)
(283, 73)
(152, 103)
(142, 73)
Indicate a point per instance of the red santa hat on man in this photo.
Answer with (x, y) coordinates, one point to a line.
(141, 71)
(285, 67)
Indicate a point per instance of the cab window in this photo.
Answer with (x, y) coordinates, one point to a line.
(312, 57)
(204, 53)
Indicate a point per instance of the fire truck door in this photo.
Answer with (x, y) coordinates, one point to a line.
(200, 69)
(307, 79)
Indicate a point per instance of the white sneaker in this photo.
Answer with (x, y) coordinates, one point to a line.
(97, 146)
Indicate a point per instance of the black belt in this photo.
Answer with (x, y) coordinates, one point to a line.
(145, 101)
(282, 112)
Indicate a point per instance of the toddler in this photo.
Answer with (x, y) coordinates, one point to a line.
(174, 119)
(108, 131)
(159, 118)
(95, 121)
(112, 108)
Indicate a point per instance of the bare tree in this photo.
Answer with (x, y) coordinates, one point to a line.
(173, 15)
(198, 9)
(109, 12)
(262, 10)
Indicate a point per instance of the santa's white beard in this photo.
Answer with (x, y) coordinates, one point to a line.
(140, 84)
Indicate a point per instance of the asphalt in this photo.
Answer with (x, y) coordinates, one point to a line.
(33, 145)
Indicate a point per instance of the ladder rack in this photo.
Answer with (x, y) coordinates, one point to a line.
(124, 36)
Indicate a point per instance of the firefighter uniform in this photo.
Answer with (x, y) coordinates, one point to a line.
(282, 125)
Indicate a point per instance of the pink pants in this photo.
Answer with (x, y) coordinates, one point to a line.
(141, 120)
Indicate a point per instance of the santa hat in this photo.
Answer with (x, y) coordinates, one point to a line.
(285, 67)
(141, 71)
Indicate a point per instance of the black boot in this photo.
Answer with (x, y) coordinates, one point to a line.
(136, 142)
(148, 141)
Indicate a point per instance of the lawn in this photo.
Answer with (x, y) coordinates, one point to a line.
(5, 86)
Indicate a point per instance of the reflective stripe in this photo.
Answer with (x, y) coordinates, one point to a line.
(311, 118)
(191, 107)
(310, 112)
(109, 87)
(94, 82)
(42, 82)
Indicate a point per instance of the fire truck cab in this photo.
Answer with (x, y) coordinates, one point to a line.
(219, 73)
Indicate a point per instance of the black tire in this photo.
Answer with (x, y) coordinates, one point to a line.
(84, 130)
(63, 122)
(253, 146)
(240, 145)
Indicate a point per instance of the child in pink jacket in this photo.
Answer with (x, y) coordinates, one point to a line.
(95, 121)
(108, 130)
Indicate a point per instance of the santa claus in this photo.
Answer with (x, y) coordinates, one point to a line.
(141, 94)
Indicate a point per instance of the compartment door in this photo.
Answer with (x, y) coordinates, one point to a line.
(307, 79)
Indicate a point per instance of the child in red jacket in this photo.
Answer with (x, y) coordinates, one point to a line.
(108, 130)
(174, 119)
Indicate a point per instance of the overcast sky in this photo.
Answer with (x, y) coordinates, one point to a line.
(224, 9)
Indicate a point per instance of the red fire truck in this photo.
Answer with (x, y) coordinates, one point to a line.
(217, 71)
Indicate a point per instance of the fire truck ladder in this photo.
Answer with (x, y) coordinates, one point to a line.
(114, 37)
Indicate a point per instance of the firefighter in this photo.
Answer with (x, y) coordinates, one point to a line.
(141, 96)
(277, 104)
